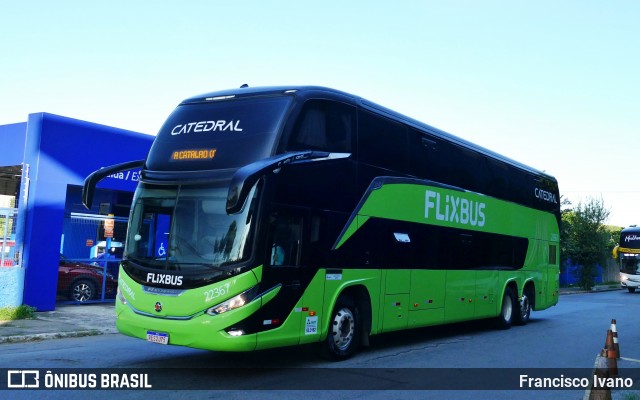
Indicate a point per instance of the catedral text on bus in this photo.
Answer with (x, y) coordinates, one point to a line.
(279, 216)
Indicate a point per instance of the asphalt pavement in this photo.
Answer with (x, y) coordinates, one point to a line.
(99, 318)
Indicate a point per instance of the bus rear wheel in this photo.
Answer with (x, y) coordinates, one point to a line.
(344, 332)
(524, 307)
(509, 304)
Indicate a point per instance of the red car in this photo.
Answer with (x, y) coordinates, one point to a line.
(83, 282)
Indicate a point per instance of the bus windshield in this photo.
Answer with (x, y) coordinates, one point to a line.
(233, 133)
(630, 264)
(186, 228)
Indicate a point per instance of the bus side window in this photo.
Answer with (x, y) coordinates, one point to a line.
(287, 235)
(553, 254)
(382, 142)
(428, 157)
(324, 125)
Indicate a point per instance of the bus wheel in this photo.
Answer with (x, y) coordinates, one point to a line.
(631, 290)
(343, 336)
(524, 307)
(506, 317)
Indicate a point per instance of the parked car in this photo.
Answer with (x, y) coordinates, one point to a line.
(83, 282)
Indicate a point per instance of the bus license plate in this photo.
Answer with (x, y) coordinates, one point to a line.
(158, 337)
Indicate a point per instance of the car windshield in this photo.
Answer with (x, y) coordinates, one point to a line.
(187, 228)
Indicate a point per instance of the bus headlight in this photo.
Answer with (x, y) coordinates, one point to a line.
(234, 302)
(120, 296)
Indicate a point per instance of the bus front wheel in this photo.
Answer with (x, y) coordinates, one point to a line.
(344, 332)
(509, 304)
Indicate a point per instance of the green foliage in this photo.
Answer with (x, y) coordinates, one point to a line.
(585, 239)
(20, 312)
(614, 236)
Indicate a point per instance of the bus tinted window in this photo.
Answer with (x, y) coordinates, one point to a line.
(233, 133)
(324, 125)
(382, 142)
(630, 264)
(428, 157)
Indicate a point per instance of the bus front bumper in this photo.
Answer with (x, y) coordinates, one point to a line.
(630, 281)
(203, 331)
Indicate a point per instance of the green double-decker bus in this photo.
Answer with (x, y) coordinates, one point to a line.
(280, 216)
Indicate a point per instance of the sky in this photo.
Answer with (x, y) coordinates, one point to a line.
(552, 84)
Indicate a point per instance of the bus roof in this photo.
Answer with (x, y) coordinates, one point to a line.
(631, 229)
(312, 91)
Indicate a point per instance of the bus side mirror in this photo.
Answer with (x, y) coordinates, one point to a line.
(247, 176)
(92, 180)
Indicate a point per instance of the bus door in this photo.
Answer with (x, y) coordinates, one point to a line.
(281, 317)
(553, 274)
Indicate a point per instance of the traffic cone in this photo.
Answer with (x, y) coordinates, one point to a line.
(609, 343)
(614, 330)
(613, 362)
(610, 353)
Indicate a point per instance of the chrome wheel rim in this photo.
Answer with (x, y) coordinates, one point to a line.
(507, 308)
(343, 328)
(525, 306)
(81, 292)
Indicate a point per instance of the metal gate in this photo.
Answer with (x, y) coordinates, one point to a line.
(90, 255)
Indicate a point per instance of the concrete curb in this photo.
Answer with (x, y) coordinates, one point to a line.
(59, 335)
(597, 290)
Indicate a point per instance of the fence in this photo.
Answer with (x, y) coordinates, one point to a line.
(90, 255)
(609, 273)
(8, 222)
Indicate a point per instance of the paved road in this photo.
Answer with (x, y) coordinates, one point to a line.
(567, 336)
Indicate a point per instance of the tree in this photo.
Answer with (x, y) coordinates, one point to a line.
(585, 239)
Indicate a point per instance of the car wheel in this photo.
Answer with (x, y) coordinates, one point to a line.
(82, 290)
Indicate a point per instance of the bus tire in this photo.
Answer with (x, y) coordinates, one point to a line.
(524, 307)
(506, 317)
(344, 331)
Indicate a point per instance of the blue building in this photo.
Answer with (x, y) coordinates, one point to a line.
(42, 220)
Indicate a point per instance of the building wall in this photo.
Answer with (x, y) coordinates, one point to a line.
(60, 151)
(12, 137)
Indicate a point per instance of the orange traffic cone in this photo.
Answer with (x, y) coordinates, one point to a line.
(610, 353)
(614, 330)
(608, 343)
(613, 362)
